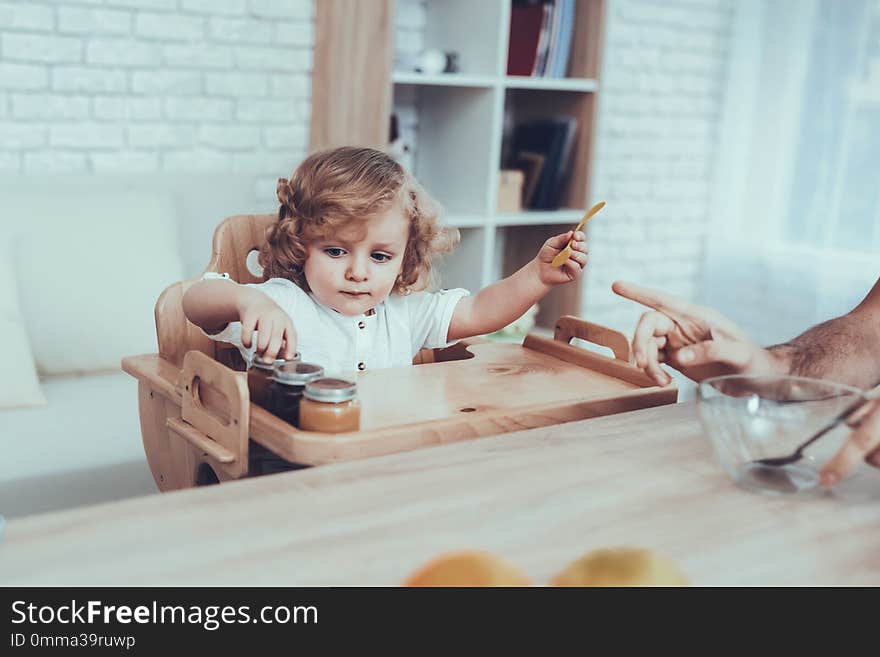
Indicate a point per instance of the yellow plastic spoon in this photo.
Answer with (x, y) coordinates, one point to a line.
(563, 256)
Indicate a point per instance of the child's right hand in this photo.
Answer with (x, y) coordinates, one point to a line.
(276, 335)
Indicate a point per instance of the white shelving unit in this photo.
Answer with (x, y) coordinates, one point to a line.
(460, 130)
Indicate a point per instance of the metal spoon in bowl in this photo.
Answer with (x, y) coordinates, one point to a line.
(845, 415)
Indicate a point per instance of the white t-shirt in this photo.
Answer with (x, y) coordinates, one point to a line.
(388, 337)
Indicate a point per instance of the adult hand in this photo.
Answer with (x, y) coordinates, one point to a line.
(696, 340)
(862, 445)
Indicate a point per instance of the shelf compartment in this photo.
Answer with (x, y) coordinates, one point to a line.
(453, 146)
(476, 31)
(529, 104)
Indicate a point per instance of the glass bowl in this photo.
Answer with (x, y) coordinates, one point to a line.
(748, 418)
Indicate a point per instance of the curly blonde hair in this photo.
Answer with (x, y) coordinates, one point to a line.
(334, 187)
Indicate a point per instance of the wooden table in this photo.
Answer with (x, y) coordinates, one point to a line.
(540, 498)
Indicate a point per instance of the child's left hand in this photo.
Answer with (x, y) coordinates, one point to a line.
(550, 275)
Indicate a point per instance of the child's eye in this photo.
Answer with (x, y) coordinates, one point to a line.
(381, 257)
(334, 251)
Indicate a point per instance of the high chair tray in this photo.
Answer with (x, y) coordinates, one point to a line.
(478, 388)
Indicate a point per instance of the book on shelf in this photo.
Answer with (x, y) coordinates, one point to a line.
(566, 33)
(544, 41)
(553, 40)
(526, 22)
(531, 164)
(552, 139)
(539, 42)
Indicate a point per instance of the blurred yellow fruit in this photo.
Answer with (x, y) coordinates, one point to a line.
(468, 568)
(621, 566)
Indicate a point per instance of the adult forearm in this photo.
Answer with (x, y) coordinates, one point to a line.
(845, 349)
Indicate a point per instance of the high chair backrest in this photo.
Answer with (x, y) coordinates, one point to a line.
(234, 239)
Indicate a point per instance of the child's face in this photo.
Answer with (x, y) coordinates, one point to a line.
(355, 270)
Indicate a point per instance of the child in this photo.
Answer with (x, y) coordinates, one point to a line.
(345, 266)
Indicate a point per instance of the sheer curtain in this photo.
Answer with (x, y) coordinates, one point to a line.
(795, 237)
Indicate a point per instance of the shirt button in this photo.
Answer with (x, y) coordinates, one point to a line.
(362, 325)
(362, 366)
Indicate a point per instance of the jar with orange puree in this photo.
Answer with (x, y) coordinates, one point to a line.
(330, 406)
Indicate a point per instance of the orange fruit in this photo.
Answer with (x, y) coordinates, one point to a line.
(467, 568)
(621, 566)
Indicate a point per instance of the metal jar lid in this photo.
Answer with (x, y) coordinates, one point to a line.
(269, 363)
(296, 373)
(330, 390)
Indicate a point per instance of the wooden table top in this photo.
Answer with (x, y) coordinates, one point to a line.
(539, 498)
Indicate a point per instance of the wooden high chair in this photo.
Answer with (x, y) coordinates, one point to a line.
(199, 427)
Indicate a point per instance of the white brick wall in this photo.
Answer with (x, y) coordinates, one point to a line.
(17, 15)
(40, 48)
(156, 86)
(23, 76)
(90, 80)
(88, 21)
(226, 7)
(241, 30)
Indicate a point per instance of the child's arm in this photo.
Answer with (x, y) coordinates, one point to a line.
(501, 303)
(211, 305)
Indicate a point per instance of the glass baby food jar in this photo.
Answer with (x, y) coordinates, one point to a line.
(259, 377)
(288, 381)
(330, 406)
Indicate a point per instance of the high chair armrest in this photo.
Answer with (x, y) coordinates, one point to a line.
(195, 437)
(619, 366)
(569, 326)
(156, 372)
